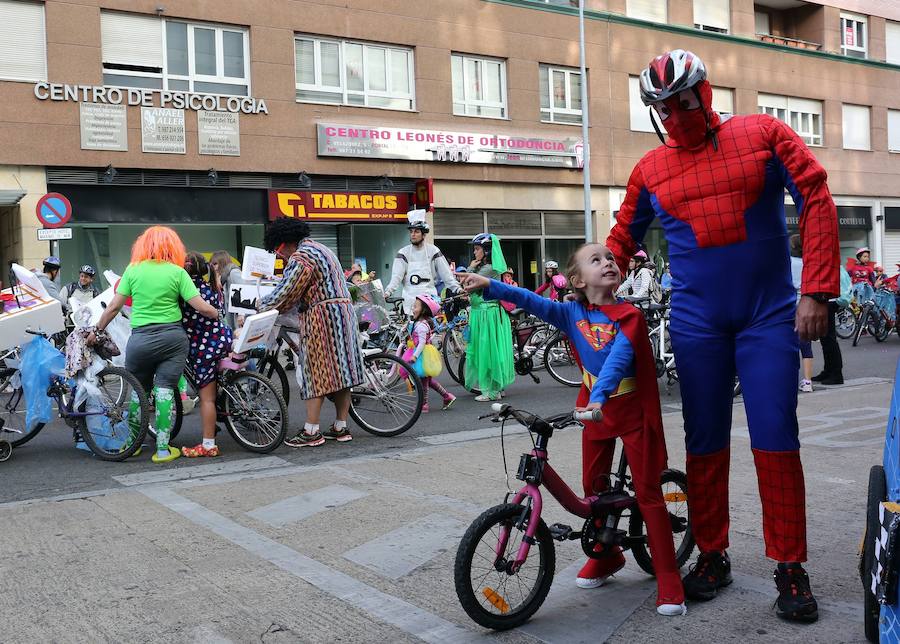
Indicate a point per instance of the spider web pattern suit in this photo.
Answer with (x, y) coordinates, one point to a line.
(733, 306)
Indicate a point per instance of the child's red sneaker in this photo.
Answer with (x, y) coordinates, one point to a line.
(596, 571)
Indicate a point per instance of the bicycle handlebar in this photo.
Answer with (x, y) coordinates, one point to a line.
(38, 332)
(504, 410)
(592, 416)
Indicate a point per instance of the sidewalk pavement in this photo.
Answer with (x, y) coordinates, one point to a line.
(361, 548)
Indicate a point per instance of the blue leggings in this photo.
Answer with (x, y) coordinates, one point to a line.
(766, 359)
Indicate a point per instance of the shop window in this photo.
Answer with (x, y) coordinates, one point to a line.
(803, 115)
(563, 224)
(148, 52)
(516, 223)
(23, 47)
(892, 42)
(479, 86)
(854, 36)
(652, 10)
(560, 89)
(458, 223)
(856, 127)
(712, 15)
(762, 21)
(343, 72)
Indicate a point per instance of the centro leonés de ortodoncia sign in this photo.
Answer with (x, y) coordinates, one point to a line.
(144, 98)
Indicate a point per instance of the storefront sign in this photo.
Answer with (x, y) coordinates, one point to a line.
(374, 142)
(219, 133)
(103, 127)
(425, 194)
(162, 130)
(148, 98)
(858, 217)
(339, 206)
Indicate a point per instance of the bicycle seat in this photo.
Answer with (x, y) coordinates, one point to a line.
(517, 312)
(234, 362)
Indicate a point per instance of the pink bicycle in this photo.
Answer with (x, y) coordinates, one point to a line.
(498, 584)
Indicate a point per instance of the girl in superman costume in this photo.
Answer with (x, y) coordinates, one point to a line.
(612, 343)
(717, 186)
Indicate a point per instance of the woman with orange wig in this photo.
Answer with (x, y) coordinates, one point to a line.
(156, 281)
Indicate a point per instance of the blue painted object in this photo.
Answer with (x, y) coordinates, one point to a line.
(889, 625)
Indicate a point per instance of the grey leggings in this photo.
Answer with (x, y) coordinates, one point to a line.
(157, 350)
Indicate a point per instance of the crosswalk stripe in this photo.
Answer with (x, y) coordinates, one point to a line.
(297, 508)
(401, 551)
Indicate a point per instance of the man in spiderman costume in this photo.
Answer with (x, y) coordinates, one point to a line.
(717, 186)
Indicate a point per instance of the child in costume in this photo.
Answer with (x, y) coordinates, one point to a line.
(862, 275)
(210, 341)
(420, 332)
(489, 353)
(620, 380)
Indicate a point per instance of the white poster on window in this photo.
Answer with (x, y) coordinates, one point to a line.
(103, 127)
(257, 264)
(219, 133)
(162, 130)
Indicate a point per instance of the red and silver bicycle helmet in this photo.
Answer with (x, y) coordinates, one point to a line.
(669, 74)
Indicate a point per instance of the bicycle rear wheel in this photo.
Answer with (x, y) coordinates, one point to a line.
(274, 371)
(861, 323)
(109, 432)
(559, 360)
(389, 401)
(844, 323)
(12, 410)
(255, 412)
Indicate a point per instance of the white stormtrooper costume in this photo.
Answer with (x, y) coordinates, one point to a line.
(418, 268)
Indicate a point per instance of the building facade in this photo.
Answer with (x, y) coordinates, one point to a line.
(217, 117)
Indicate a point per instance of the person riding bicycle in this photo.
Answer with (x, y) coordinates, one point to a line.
(210, 342)
(611, 340)
(81, 290)
(557, 287)
(717, 185)
(419, 266)
(508, 277)
(420, 331)
(639, 279)
(49, 276)
(862, 275)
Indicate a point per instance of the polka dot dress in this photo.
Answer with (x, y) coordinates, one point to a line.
(210, 340)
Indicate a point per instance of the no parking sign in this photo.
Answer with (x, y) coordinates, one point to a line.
(53, 210)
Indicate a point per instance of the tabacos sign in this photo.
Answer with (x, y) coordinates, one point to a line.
(339, 206)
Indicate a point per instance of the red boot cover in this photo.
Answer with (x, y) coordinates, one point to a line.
(707, 476)
(604, 567)
(783, 495)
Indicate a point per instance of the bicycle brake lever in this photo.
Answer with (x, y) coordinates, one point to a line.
(491, 415)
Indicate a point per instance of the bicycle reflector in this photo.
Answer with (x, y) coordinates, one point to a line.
(498, 602)
(675, 497)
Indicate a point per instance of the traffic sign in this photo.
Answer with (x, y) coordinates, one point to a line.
(53, 234)
(53, 210)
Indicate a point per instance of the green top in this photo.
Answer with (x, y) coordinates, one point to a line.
(156, 289)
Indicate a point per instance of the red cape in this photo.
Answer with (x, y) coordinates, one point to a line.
(632, 323)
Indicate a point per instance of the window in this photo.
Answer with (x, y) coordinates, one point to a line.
(723, 101)
(23, 41)
(762, 22)
(893, 130)
(712, 15)
(479, 86)
(652, 10)
(560, 94)
(145, 51)
(343, 72)
(856, 127)
(802, 114)
(853, 35)
(892, 42)
(640, 113)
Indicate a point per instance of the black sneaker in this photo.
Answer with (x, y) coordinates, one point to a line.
(340, 435)
(822, 376)
(833, 380)
(711, 572)
(302, 439)
(795, 599)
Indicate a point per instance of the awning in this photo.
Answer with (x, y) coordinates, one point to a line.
(11, 197)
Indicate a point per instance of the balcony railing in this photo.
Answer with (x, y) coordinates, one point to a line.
(789, 42)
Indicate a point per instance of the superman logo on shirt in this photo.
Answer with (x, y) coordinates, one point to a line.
(598, 335)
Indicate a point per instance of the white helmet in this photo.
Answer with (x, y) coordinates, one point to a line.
(551, 264)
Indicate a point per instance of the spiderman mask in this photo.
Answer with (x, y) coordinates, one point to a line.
(688, 116)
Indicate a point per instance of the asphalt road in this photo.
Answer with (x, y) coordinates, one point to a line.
(49, 465)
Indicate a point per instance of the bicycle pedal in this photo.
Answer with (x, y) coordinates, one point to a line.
(561, 532)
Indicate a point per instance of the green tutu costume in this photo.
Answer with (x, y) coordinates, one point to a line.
(489, 353)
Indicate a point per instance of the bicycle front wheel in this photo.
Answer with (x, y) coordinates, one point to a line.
(12, 409)
(492, 595)
(453, 347)
(255, 411)
(559, 360)
(844, 323)
(108, 429)
(390, 399)
(272, 369)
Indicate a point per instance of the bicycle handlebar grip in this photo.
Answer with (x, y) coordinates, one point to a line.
(593, 416)
(498, 408)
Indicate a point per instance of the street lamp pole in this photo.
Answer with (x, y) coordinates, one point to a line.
(586, 168)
